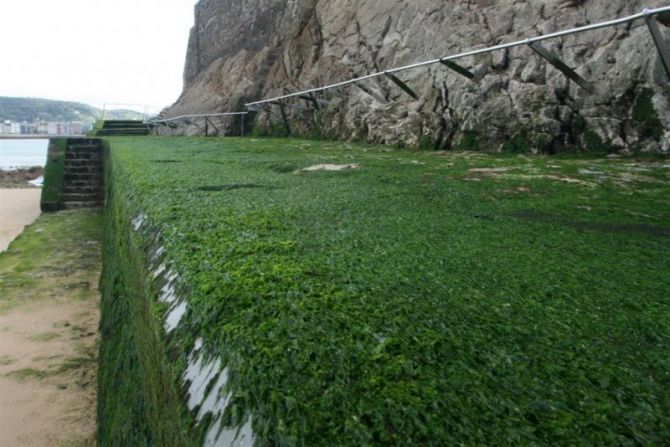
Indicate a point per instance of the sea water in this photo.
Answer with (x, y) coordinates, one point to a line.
(22, 153)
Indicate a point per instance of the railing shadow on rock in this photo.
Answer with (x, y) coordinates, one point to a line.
(650, 16)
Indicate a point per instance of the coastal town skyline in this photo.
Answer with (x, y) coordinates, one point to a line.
(40, 127)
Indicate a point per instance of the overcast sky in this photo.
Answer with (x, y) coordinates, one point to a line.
(94, 51)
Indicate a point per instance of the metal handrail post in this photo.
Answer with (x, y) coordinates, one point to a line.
(662, 46)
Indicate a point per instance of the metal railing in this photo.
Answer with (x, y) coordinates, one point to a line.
(532, 42)
(200, 115)
(207, 121)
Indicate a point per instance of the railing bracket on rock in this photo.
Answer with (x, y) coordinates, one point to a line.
(458, 69)
(561, 66)
(311, 98)
(662, 46)
(371, 93)
(406, 88)
(283, 116)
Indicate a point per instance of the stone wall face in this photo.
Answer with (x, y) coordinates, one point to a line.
(244, 50)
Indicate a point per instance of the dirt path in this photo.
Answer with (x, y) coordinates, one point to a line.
(48, 332)
(18, 208)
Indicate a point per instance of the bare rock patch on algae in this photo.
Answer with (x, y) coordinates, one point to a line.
(329, 167)
(475, 174)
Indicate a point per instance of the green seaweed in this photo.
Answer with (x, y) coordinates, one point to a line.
(137, 403)
(469, 141)
(595, 144)
(517, 144)
(645, 117)
(398, 303)
(52, 188)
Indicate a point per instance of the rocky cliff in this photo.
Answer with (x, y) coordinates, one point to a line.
(244, 50)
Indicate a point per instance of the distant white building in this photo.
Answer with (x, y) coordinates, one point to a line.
(28, 128)
(53, 128)
(77, 128)
(10, 128)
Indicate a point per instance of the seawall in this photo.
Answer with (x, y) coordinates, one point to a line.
(137, 403)
(413, 298)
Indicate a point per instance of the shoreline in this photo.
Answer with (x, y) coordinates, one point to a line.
(21, 177)
(49, 313)
(19, 207)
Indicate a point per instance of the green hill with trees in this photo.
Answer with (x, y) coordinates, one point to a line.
(30, 109)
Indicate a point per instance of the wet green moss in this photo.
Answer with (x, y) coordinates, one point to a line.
(517, 144)
(644, 116)
(469, 141)
(593, 143)
(52, 188)
(401, 303)
(138, 401)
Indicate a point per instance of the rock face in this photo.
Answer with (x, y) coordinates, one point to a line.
(245, 50)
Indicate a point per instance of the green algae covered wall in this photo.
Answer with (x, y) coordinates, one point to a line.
(52, 189)
(420, 298)
(137, 391)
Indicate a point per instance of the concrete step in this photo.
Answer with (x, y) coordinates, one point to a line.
(124, 127)
(95, 178)
(76, 150)
(84, 141)
(84, 145)
(83, 182)
(83, 174)
(73, 194)
(96, 156)
(122, 133)
(79, 205)
(121, 123)
(83, 170)
(82, 186)
(75, 197)
(85, 187)
(82, 164)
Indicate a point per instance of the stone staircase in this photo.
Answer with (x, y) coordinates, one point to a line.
(82, 174)
(112, 128)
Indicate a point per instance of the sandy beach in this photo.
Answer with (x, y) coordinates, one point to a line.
(48, 321)
(18, 208)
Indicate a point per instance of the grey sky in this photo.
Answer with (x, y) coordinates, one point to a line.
(94, 51)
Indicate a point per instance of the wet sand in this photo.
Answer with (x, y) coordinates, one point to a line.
(18, 208)
(47, 388)
(48, 330)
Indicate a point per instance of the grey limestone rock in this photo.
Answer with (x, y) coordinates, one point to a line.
(245, 50)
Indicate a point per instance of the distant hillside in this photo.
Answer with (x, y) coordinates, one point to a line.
(30, 109)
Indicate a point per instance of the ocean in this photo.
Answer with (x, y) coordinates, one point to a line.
(22, 153)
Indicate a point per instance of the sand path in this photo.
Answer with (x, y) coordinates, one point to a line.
(48, 333)
(18, 208)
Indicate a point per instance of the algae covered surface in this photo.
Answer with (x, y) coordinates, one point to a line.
(415, 298)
